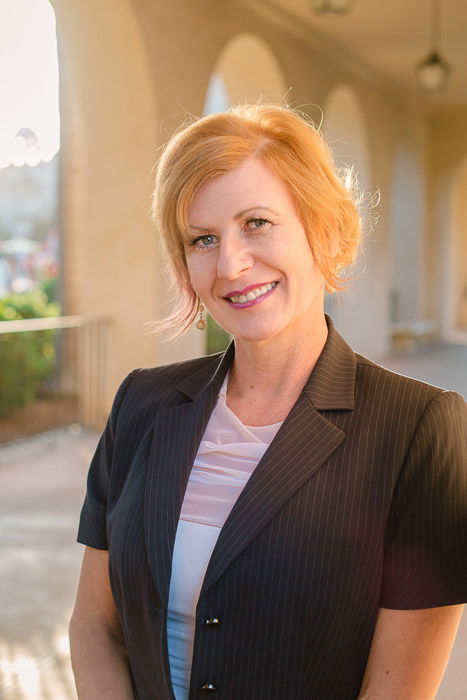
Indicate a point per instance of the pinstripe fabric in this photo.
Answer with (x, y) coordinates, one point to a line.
(359, 502)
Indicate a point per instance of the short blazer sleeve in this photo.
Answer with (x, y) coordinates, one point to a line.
(92, 525)
(425, 561)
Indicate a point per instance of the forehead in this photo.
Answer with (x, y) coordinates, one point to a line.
(252, 184)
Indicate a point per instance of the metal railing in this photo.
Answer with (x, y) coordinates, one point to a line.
(71, 352)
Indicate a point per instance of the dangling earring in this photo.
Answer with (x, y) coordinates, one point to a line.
(201, 323)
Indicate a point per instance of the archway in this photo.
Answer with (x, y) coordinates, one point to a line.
(246, 71)
(407, 237)
(456, 273)
(359, 311)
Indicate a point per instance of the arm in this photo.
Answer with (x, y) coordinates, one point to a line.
(409, 653)
(98, 655)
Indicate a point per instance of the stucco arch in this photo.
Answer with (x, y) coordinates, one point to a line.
(246, 70)
(407, 241)
(345, 129)
(360, 312)
(455, 273)
(109, 123)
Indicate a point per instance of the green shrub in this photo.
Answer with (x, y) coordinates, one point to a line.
(26, 358)
(217, 338)
(51, 288)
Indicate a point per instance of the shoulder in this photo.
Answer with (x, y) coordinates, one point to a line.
(400, 394)
(160, 382)
(147, 389)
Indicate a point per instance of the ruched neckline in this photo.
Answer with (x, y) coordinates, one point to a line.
(227, 456)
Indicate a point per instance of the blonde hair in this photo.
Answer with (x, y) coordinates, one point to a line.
(290, 145)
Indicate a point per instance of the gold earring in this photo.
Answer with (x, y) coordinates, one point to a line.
(201, 323)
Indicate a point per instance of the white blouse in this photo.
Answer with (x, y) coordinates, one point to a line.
(227, 456)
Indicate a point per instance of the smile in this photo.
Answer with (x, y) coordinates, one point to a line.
(251, 296)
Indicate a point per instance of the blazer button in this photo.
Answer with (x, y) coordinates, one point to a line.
(212, 622)
(208, 688)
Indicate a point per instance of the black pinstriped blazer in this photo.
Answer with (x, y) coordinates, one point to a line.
(359, 502)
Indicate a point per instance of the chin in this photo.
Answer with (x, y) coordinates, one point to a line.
(254, 335)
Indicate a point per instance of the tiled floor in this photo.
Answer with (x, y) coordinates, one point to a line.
(41, 489)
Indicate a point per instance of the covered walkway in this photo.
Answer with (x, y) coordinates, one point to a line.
(41, 490)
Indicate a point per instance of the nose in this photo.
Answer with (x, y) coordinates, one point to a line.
(234, 257)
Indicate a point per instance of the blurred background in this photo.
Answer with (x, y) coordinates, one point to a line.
(89, 91)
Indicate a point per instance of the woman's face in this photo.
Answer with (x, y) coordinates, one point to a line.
(248, 257)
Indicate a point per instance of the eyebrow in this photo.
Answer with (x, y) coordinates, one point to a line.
(238, 216)
(245, 211)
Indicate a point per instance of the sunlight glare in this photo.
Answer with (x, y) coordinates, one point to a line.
(28, 82)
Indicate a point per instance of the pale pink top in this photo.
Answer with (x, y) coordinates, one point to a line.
(227, 456)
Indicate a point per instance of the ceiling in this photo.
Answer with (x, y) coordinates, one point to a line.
(390, 37)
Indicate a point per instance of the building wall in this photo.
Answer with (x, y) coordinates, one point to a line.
(364, 311)
(110, 135)
(138, 68)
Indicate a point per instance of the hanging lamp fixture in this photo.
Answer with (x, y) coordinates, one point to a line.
(332, 7)
(433, 72)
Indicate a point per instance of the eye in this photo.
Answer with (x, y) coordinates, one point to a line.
(257, 224)
(205, 241)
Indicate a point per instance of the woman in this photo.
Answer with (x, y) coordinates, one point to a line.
(288, 519)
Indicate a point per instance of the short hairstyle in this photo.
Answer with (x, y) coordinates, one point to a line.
(292, 147)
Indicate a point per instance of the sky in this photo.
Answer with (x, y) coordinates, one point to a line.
(28, 82)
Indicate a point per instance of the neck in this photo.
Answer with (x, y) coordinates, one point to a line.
(267, 377)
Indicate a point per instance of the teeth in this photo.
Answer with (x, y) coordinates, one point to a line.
(253, 294)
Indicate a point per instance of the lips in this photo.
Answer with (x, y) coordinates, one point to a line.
(251, 294)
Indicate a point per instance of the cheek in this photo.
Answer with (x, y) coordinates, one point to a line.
(198, 275)
(191, 267)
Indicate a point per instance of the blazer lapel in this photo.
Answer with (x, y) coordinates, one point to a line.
(177, 432)
(301, 447)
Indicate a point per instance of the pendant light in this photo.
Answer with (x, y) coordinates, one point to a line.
(433, 72)
(332, 7)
